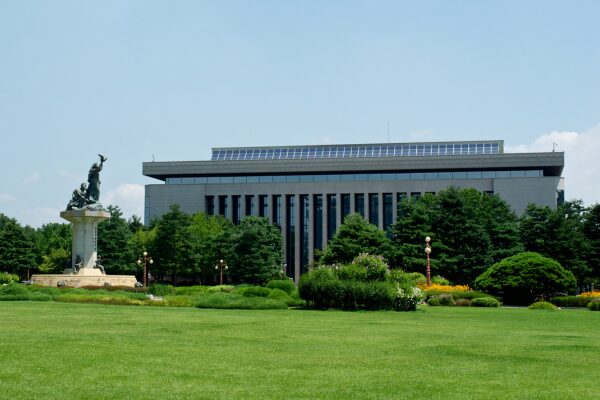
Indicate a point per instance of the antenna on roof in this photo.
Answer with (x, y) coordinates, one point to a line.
(152, 157)
(388, 130)
(554, 147)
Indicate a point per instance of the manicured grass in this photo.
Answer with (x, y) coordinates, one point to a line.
(88, 351)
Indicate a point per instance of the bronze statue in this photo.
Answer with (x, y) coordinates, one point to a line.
(88, 195)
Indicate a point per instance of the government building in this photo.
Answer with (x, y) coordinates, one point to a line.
(308, 190)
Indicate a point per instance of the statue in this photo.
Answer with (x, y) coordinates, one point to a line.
(78, 264)
(100, 266)
(88, 195)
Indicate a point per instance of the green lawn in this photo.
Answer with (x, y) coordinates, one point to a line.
(88, 351)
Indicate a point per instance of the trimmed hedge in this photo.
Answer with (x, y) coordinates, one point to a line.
(485, 302)
(235, 301)
(570, 301)
(594, 305)
(286, 285)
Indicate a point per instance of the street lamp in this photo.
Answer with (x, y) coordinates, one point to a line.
(221, 265)
(427, 251)
(147, 259)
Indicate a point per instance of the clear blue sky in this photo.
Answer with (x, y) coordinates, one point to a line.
(133, 79)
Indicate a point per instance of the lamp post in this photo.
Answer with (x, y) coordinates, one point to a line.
(221, 265)
(146, 259)
(428, 251)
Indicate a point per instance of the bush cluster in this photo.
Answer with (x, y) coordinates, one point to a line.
(235, 301)
(157, 289)
(286, 285)
(5, 277)
(485, 302)
(570, 301)
(543, 305)
(19, 292)
(594, 305)
(365, 284)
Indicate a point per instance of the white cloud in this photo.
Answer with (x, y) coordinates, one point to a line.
(582, 151)
(128, 196)
(32, 178)
(5, 197)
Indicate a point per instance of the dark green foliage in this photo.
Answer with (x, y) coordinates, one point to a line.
(257, 251)
(256, 291)
(172, 248)
(8, 278)
(470, 295)
(485, 302)
(526, 277)
(470, 231)
(408, 278)
(53, 245)
(353, 237)
(446, 299)
(322, 289)
(591, 230)
(558, 234)
(17, 247)
(114, 244)
(542, 305)
(286, 285)
(570, 301)
(594, 305)
(161, 290)
(18, 292)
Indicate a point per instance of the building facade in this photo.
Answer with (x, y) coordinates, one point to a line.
(308, 190)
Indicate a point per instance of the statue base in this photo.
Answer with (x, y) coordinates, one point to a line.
(82, 280)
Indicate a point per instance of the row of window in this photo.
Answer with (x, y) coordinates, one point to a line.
(355, 177)
(331, 203)
(448, 149)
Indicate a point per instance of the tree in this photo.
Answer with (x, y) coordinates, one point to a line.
(353, 237)
(172, 248)
(114, 243)
(526, 277)
(54, 246)
(135, 223)
(591, 230)
(558, 234)
(470, 230)
(257, 251)
(17, 247)
(211, 237)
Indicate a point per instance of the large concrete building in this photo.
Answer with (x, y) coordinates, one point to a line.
(308, 190)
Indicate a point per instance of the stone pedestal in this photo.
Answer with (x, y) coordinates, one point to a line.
(85, 237)
(85, 240)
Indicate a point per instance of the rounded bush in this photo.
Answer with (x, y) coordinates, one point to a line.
(570, 301)
(522, 278)
(287, 285)
(5, 277)
(221, 289)
(485, 302)
(542, 305)
(13, 289)
(594, 305)
(462, 302)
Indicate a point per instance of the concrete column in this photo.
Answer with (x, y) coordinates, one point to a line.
(284, 230)
(325, 219)
(380, 210)
(298, 239)
(270, 208)
(352, 202)
(338, 209)
(243, 206)
(367, 206)
(394, 207)
(229, 213)
(311, 227)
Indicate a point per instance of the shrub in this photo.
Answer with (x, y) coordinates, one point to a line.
(439, 280)
(101, 298)
(221, 289)
(234, 301)
(5, 277)
(434, 301)
(570, 301)
(462, 303)
(407, 298)
(175, 301)
(522, 278)
(473, 294)
(594, 293)
(13, 289)
(594, 305)
(255, 291)
(542, 305)
(375, 266)
(117, 288)
(291, 301)
(287, 285)
(158, 289)
(406, 278)
(485, 302)
(446, 299)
